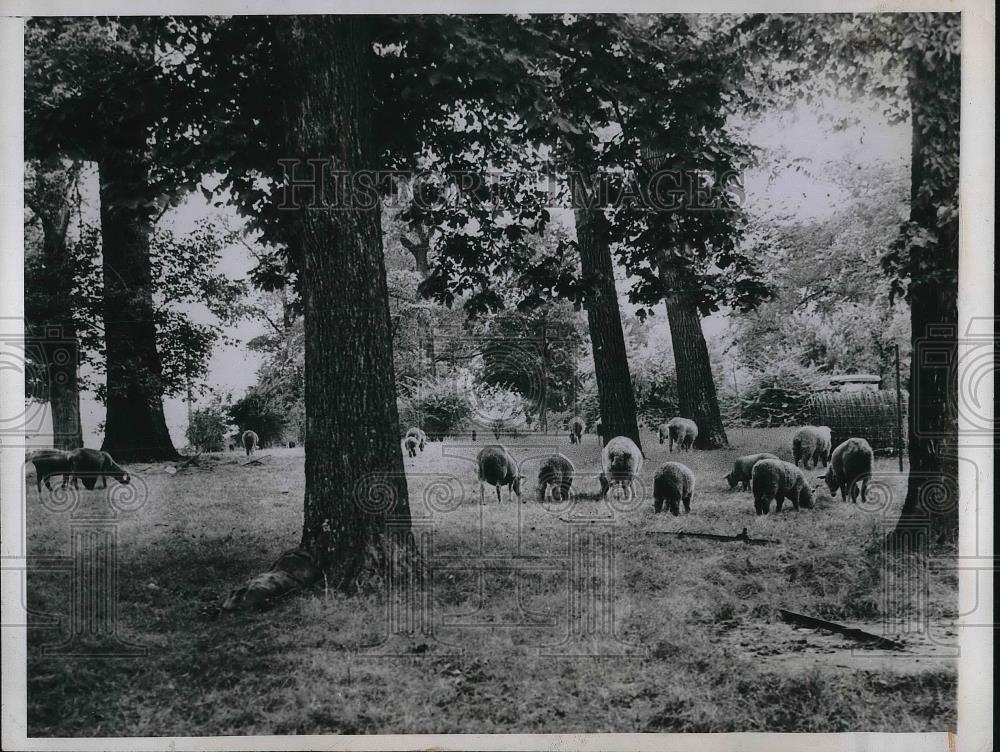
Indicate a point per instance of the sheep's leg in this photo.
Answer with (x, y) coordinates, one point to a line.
(687, 504)
(657, 504)
(779, 501)
(855, 489)
(498, 493)
(482, 492)
(864, 490)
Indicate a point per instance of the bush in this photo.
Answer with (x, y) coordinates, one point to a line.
(208, 427)
(440, 408)
(780, 394)
(258, 414)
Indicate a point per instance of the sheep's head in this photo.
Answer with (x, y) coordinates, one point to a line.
(516, 484)
(831, 480)
(731, 479)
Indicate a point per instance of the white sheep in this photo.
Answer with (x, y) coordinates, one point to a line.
(250, 441)
(811, 444)
(779, 480)
(682, 432)
(621, 461)
(576, 429)
(419, 435)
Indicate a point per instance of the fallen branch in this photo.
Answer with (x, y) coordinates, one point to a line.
(193, 460)
(854, 634)
(255, 460)
(743, 536)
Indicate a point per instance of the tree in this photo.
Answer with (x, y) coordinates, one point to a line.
(77, 74)
(354, 493)
(911, 62)
(51, 307)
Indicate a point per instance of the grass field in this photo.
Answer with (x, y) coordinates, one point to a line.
(523, 626)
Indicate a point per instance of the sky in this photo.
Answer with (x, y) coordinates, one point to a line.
(776, 190)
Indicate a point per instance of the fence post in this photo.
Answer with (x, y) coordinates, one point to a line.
(899, 414)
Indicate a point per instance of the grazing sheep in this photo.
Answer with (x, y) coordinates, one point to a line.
(49, 462)
(498, 468)
(410, 442)
(621, 461)
(682, 432)
(673, 484)
(812, 444)
(851, 462)
(663, 432)
(576, 429)
(779, 480)
(742, 468)
(556, 473)
(419, 435)
(250, 442)
(89, 465)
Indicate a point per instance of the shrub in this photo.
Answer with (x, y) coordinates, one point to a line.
(779, 395)
(208, 427)
(441, 408)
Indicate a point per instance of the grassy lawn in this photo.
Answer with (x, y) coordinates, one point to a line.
(535, 618)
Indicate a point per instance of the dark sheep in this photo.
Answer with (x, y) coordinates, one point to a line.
(410, 442)
(779, 480)
(812, 445)
(673, 484)
(851, 462)
(556, 473)
(682, 432)
(91, 465)
(743, 467)
(49, 462)
(250, 440)
(498, 468)
(576, 429)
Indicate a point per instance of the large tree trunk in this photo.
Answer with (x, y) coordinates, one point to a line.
(135, 429)
(696, 393)
(614, 382)
(930, 509)
(356, 497)
(49, 303)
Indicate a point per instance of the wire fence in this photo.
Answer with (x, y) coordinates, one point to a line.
(867, 415)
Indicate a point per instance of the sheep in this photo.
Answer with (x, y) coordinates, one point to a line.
(90, 464)
(250, 440)
(851, 462)
(673, 484)
(49, 462)
(621, 461)
(779, 480)
(599, 430)
(410, 442)
(742, 468)
(812, 444)
(576, 429)
(498, 468)
(683, 432)
(662, 432)
(556, 473)
(419, 435)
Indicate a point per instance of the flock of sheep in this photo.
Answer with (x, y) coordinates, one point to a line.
(849, 466)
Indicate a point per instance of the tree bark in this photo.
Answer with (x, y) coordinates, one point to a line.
(51, 323)
(614, 382)
(930, 510)
(696, 395)
(135, 429)
(356, 499)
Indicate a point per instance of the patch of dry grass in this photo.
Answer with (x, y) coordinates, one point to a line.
(494, 648)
